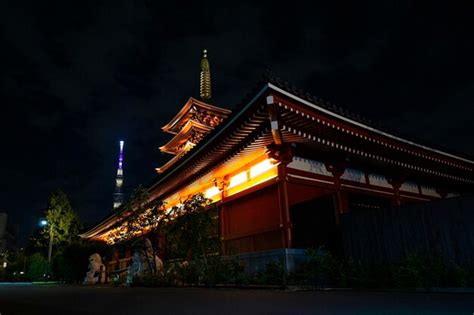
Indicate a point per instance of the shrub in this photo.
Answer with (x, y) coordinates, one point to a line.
(411, 272)
(234, 271)
(320, 267)
(274, 274)
(37, 267)
(457, 276)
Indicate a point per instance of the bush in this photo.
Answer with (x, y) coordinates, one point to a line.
(410, 273)
(37, 267)
(234, 272)
(179, 273)
(274, 274)
(215, 270)
(457, 276)
(320, 268)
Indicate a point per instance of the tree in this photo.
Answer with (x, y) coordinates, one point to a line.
(194, 229)
(192, 235)
(37, 265)
(190, 230)
(63, 222)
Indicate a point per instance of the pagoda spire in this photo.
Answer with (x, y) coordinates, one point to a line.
(205, 80)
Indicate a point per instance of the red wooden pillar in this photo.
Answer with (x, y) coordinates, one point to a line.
(341, 202)
(223, 215)
(396, 183)
(284, 154)
(222, 228)
(285, 218)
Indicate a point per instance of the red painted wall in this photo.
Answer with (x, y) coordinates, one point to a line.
(254, 212)
(253, 222)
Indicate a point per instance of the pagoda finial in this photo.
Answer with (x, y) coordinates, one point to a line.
(205, 82)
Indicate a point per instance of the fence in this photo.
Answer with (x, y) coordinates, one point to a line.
(440, 228)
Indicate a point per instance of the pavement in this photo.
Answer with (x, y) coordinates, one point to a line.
(70, 300)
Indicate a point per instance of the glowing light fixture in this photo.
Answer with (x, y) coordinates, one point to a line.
(238, 179)
(211, 192)
(260, 168)
(43, 222)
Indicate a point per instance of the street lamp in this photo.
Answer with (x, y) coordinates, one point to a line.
(24, 258)
(43, 223)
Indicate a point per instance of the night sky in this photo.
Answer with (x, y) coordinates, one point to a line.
(78, 76)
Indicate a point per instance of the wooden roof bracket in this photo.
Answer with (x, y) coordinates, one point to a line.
(273, 115)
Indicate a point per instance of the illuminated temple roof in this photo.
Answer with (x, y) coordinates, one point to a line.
(223, 137)
(303, 121)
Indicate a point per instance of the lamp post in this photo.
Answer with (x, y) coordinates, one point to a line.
(43, 223)
(50, 248)
(4, 266)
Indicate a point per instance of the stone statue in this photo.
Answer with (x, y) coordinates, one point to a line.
(153, 260)
(144, 263)
(96, 273)
(136, 267)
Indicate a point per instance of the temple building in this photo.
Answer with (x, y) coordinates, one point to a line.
(284, 167)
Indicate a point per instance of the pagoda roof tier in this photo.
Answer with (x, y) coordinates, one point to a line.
(199, 111)
(193, 131)
(184, 148)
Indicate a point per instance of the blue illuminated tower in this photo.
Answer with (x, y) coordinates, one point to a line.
(118, 195)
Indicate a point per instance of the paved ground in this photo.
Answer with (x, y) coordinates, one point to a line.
(71, 300)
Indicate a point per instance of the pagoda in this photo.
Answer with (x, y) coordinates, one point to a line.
(194, 121)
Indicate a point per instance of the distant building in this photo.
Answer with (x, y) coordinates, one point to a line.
(118, 195)
(7, 237)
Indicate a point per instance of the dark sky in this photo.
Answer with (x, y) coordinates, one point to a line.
(78, 76)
